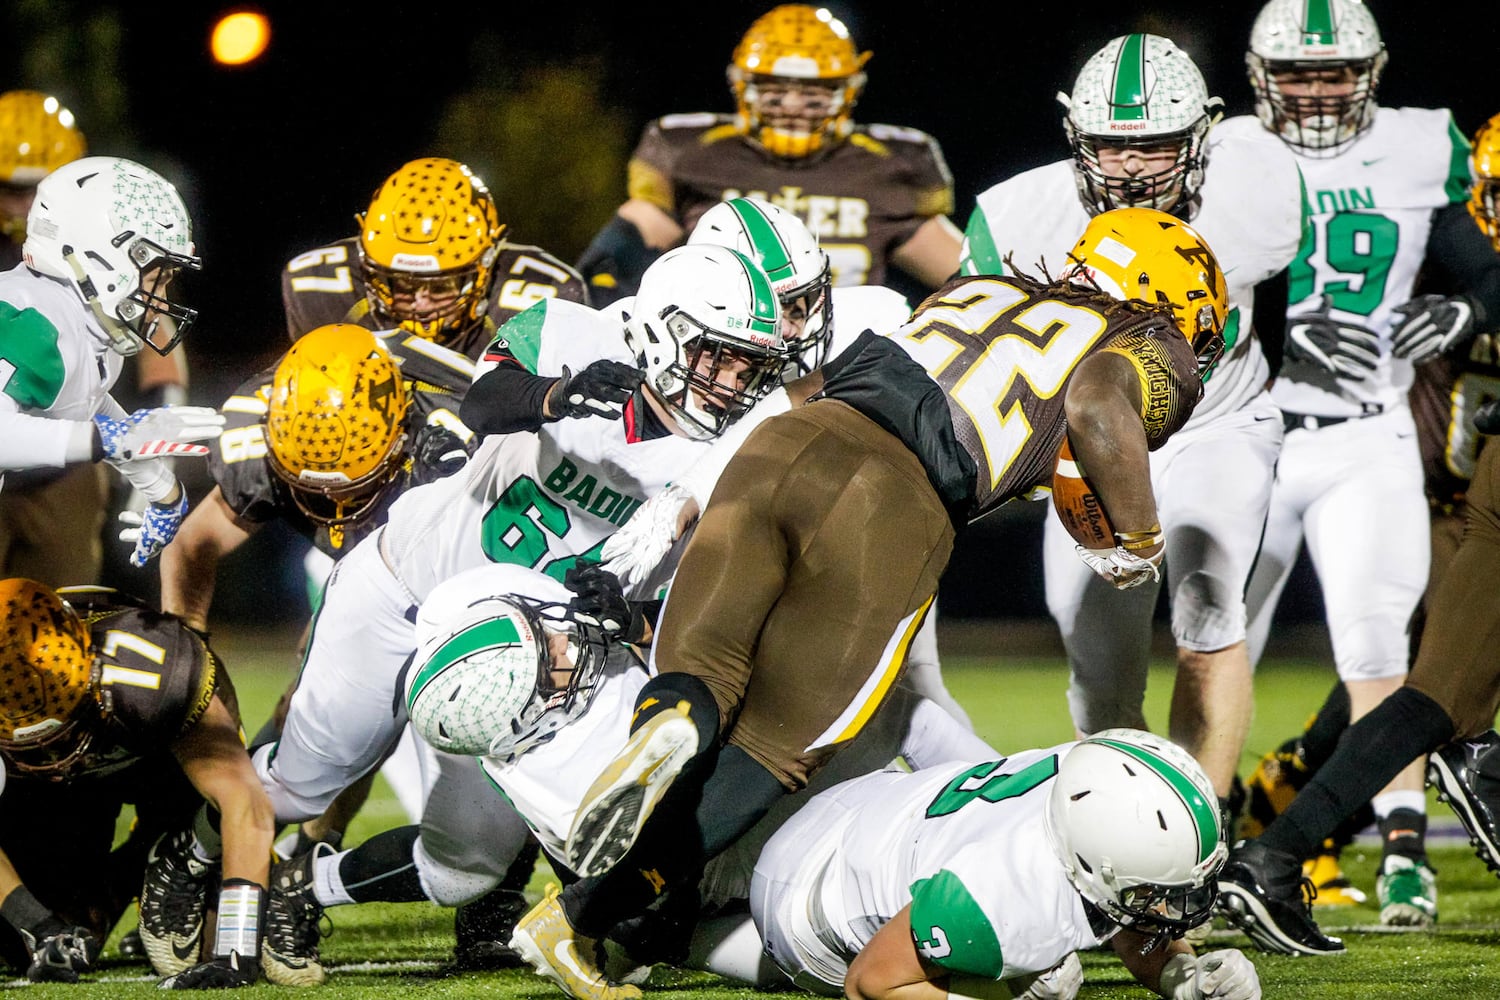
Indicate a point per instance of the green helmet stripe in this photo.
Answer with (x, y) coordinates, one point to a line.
(495, 632)
(762, 297)
(1317, 23)
(1205, 813)
(775, 258)
(1128, 96)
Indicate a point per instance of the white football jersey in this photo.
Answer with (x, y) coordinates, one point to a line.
(1371, 211)
(536, 499)
(962, 844)
(55, 362)
(857, 308)
(1250, 212)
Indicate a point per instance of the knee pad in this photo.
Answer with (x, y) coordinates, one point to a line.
(1207, 613)
(449, 886)
(1371, 648)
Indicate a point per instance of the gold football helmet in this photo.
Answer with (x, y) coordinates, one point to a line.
(49, 680)
(1484, 197)
(1140, 253)
(426, 248)
(37, 135)
(796, 76)
(336, 427)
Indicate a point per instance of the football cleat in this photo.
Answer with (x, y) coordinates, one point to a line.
(548, 943)
(1264, 893)
(481, 930)
(1407, 891)
(1467, 776)
(131, 947)
(1327, 877)
(174, 896)
(621, 799)
(289, 951)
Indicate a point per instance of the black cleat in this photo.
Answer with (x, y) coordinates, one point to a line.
(1263, 893)
(1467, 776)
(482, 930)
(174, 897)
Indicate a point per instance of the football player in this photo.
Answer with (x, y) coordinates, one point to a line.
(1387, 188)
(590, 420)
(1005, 869)
(806, 541)
(1139, 121)
(103, 703)
(872, 194)
(106, 237)
(431, 258)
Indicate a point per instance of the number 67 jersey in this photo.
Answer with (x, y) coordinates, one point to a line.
(964, 845)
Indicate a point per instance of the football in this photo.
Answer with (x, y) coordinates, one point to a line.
(1077, 505)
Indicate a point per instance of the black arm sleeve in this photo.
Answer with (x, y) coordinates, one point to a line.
(614, 262)
(1269, 318)
(505, 400)
(1457, 248)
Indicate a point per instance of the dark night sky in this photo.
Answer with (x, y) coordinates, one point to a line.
(274, 158)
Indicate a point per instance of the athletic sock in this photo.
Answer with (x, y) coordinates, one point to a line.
(381, 869)
(1404, 832)
(1322, 736)
(1376, 749)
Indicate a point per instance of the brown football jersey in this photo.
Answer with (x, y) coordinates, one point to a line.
(323, 286)
(862, 197)
(1444, 394)
(981, 401)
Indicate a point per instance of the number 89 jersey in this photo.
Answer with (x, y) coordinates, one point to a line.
(963, 844)
(982, 407)
(1370, 213)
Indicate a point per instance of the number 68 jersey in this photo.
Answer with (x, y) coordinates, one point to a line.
(964, 845)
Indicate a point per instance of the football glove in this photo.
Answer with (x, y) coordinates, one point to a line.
(1487, 417)
(1430, 325)
(60, 956)
(216, 974)
(601, 601)
(152, 529)
(1344, 350)
(159, 433)
(600, 390)
(1121, 568)
(439, 453)
(1217, 975)
(644, 541)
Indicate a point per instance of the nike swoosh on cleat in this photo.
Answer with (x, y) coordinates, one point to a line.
(563, 952)
(187, 952)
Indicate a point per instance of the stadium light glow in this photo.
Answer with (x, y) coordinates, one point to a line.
(239, 38)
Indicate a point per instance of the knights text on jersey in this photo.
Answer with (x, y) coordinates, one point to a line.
(1250, 209)
(1371, 213)
(863, 198)
(323, 286)
(158, 678)
(1444, 395)
(982, 404)
(436, 380)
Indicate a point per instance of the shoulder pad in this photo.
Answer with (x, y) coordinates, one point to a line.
(897, 133)
(690, 119)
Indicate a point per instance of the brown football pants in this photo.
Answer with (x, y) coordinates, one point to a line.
(1458, 663)
(810, 571)
(54, 533)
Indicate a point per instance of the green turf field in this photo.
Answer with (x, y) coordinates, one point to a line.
(400, 950)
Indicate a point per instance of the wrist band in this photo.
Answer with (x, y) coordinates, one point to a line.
(1134, 541)
(240, 905)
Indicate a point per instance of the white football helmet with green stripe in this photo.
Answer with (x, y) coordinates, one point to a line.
(706, 330)
(1316, 39)
(789, 254)
(1139, 91)
(1134, 820)
(484, 680)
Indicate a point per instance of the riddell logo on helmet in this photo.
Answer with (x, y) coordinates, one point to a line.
(415, 262)
(1128, 126)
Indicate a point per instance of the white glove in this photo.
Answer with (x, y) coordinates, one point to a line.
(1430, 325)
(1217, 975)
(152, 529)
(644, 541)
(1121, 568)
(158, 433)
(1061, 982)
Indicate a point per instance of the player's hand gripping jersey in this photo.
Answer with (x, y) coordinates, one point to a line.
(974, 384)
(1372, 208)
(1251, 212)
(323, 286)
(436, 379)
(158, 679)
(862, 197)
